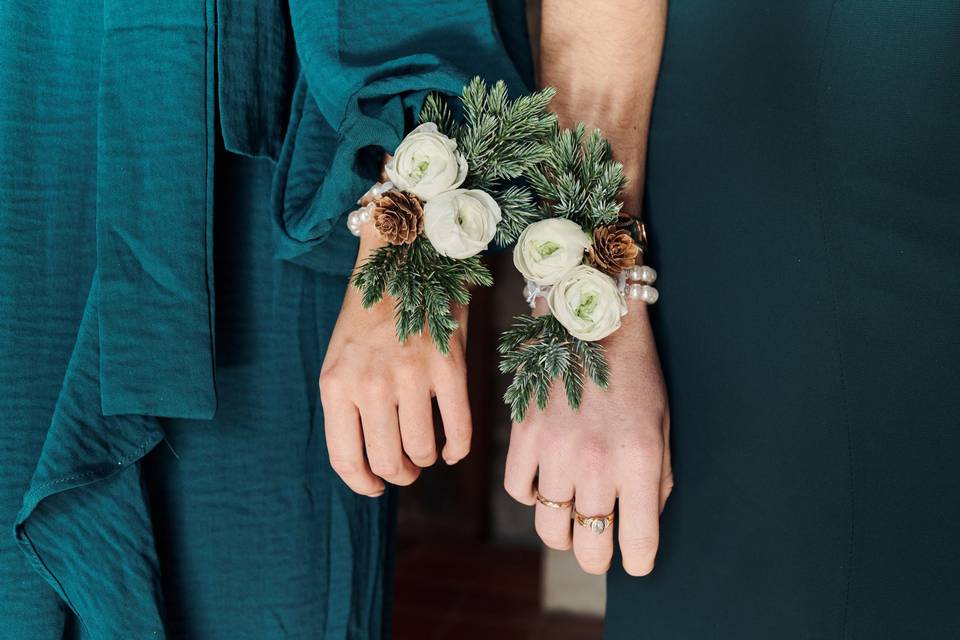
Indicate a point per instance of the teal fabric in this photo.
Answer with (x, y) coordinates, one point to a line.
(385, 67)
(172, 261)
(803, 202)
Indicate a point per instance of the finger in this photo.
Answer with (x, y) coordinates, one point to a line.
(553, 522)
(595, 498)
(416, 428)
(666, 473)
(521, 467)
(639, 513)
(451, 390)
(345, 445)
(381, 434)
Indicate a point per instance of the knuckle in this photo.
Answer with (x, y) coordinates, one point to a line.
(408, 370)
(644, 450)
(385, 468)
(592, 560)
(422, 456)
(377, 384)
(406, 478)
(330, 382)
(593, 453)
(518, 493)
(553, 538)
(640, 549)
(668, 484)
(345, 466)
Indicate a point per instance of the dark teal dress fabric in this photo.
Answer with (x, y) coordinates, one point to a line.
(172, 261)
(804, 205)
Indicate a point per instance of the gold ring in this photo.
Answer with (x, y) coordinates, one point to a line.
(597, 524)
(552, 503)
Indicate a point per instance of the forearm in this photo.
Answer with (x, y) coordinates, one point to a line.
(603, 58)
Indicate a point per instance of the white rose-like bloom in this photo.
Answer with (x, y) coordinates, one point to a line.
(461, 223)
(427, 163)
(587, 303)
(548, 249)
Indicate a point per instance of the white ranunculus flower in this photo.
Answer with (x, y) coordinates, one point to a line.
(587, 303)
(461, 223)
(548, 249)
(427, 163)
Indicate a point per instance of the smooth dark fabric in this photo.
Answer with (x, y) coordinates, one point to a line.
(804, 206)
(172, 261)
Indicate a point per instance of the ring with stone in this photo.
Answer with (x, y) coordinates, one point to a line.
(597, 524)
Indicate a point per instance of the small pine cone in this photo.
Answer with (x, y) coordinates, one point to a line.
(398, 216)
(613, 250)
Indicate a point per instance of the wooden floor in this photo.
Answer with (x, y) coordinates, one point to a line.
(462, 591)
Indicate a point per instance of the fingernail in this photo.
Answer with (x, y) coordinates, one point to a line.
(450, 462)
(375, 495)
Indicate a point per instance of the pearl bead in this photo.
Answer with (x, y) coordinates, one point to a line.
(635, 292)
(647, 275)
(634, 272)
(649, 294)
(364, 215)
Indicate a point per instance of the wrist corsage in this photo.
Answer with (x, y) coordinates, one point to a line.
(455, 185)
(585, 258)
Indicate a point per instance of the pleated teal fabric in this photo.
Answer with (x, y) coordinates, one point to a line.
(172, 262)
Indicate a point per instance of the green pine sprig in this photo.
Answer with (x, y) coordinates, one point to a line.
(424, 284)
(502, 140)
(578, 179)
(538, 350)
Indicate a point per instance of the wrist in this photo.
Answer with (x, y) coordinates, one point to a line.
(370, 241)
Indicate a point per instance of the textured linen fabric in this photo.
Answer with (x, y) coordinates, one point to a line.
(142, 303)
(803, 201)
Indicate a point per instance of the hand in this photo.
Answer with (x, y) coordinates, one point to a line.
(614, 450)
(376, 394)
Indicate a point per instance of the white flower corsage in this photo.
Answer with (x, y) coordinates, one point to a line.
(455, 186)
(583, 257)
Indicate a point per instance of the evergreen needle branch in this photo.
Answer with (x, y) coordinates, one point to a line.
(578, 180)
(502, 140)
(424, 284)
(538, 351)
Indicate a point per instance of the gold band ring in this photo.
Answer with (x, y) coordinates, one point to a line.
(597, 524)
(553, 504)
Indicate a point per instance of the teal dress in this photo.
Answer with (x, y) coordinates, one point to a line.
(804, 206)
(172, 262)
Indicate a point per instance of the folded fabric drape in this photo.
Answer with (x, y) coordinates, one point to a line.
(156, 141)
(145, 345)
(170, 74)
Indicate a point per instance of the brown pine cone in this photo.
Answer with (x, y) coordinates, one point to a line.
(613, 250)
(398, 216)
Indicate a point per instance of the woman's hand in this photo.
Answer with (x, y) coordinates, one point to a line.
(376, 394)
(614, 449)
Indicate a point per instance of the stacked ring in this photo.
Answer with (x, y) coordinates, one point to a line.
(553, 504)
